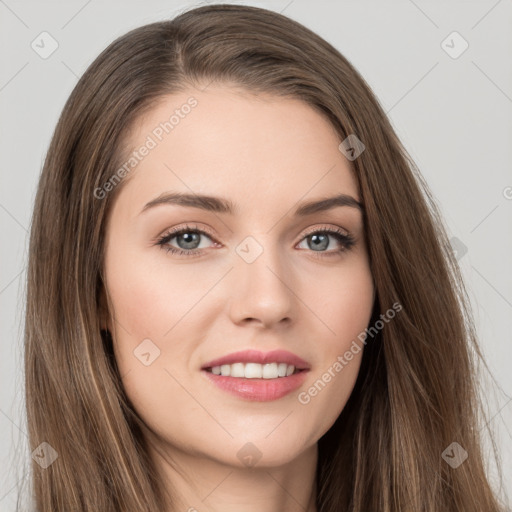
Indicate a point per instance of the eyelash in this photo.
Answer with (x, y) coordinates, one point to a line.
(346, 240)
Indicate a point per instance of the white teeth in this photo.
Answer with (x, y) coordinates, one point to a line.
(237, 370)
(270, 371)
(254, 370)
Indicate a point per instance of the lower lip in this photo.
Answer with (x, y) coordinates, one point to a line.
(258, 390)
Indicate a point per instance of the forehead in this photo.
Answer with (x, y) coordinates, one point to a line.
(236, 144)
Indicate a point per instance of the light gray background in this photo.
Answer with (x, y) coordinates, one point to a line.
(453, 115)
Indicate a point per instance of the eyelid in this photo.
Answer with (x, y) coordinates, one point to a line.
(325, 227)
(189, 227)
(342, 235)
(184, 228)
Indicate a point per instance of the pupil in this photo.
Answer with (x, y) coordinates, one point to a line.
(191, 240)
(322, 244)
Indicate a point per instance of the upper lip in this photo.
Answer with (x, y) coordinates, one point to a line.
(255, 356)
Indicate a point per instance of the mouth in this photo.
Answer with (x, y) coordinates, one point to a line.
(257, 376)
(275, 370)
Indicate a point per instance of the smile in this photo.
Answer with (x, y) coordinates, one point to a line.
(257, 376)
(255, 370)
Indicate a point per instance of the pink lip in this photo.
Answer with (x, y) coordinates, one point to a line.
(254, 356)
(259, 390)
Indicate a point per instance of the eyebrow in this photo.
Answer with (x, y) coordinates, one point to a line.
(221, 205)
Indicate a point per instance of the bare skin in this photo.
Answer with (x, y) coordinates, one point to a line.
(267, 155)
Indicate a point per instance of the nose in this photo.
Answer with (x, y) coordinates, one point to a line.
(262, 291)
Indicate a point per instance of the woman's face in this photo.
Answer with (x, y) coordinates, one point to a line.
(265, 274)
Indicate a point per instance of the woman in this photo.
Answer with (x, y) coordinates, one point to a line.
(240, 292)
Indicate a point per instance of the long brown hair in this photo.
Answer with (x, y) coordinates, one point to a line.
(416, 392)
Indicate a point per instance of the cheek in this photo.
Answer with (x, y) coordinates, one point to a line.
(151, 303)
(149, 298)
(147, 305)
(344, 306)
(343, 301)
